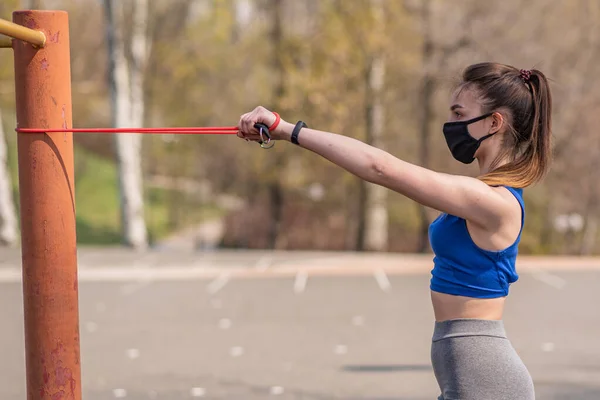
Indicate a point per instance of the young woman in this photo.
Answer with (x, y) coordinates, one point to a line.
(499, 116)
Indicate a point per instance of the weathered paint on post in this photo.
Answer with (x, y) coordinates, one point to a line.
(47, 199)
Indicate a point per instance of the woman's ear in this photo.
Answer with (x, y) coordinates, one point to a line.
(497, 122)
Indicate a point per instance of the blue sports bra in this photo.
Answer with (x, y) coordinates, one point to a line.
(464, 269)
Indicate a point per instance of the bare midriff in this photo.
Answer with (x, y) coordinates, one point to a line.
(447, 306)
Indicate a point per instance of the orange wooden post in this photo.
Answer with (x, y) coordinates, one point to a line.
(47, 199)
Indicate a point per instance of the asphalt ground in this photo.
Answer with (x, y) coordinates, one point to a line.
(274, 325)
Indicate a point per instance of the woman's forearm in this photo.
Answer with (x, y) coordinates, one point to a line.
(353, 155)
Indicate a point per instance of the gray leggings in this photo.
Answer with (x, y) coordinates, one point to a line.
(473, 360)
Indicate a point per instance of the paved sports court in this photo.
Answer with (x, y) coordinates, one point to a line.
(257, 325)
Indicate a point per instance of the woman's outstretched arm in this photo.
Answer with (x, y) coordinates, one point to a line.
(465, 197)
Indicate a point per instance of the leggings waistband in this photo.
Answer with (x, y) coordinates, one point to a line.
(468, 327)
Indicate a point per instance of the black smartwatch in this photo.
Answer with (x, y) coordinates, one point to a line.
(296, 131)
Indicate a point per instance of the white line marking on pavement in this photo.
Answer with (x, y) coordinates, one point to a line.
(236, 351)
(140, 276)
(263, 263)
(382, 280)
(91, 326)
(197, 392)
(219, 283)
(131, 274)
(300, 282)
(549, 279)
(132, 354)
(10, 275)
(277, 390)
(548, 347)
(224, 323)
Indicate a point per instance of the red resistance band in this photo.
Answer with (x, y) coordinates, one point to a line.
(225, 130)
(215, 130)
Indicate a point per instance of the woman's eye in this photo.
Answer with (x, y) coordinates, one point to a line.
(457, 114)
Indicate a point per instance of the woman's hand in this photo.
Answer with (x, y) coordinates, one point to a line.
(263, 116)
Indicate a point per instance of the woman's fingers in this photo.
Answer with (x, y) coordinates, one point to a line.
(252, 119)
(241, 124)
(247, 121)
(244, 124)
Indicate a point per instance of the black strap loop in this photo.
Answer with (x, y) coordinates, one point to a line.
(296, 131)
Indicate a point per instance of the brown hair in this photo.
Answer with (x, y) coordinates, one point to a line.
(524, 99)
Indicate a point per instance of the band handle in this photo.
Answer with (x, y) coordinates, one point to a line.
(264, 130)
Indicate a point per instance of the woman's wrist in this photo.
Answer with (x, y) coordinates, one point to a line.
(284, 131)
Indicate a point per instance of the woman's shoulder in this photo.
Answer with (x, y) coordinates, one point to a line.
(518, 192)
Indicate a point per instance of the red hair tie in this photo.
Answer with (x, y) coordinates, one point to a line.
(525, 75)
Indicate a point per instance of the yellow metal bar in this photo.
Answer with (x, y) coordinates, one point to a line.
(16, 31)
(5, 42)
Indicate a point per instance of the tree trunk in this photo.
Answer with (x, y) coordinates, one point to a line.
(427, 90)
(372, 233)
(275, 188)
(376, 211)
(547, 231)
(8, 215)
(124, 113)
(590, 233)
(361, 216)
(139, 52)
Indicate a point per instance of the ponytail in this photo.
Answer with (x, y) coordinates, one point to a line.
(531, 127)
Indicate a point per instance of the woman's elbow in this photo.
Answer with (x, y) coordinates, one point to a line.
(378, 170)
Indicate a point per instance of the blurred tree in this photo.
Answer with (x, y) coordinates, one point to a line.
(358, 43)
(275, 188)
(127, 105)
(8, 215)
(225, 63)
(9, 229)
(373, 217)
(425, 117)
(436, 52)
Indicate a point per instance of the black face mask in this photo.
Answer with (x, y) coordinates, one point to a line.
(462, 145)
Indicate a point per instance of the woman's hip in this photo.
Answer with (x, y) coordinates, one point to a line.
(473, 359)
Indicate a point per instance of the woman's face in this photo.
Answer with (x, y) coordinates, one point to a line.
(464, 106)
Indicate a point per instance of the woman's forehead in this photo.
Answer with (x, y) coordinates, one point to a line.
(465, 97)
